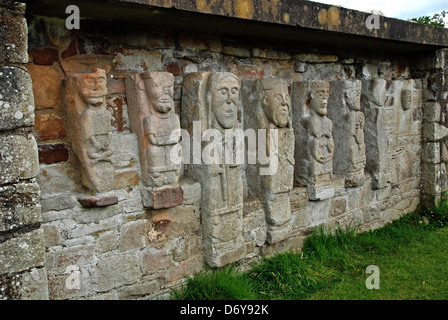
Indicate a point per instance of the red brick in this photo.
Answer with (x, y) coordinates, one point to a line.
(46, 86)
(98, 202)
(45, 56)
(53, 153)
(174, 69)
(70, 51)
(49, 127)
(167, 198)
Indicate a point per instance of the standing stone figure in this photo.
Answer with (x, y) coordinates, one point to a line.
(90, 128)
(267, 107)
(348, 131)
(373, 99)
(313, 138)
(210, 108)
(157, 126)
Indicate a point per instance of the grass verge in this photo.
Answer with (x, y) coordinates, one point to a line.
(410, 253)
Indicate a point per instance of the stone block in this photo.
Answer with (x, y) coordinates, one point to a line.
(127, 178)
(163, 198)
(45, 56)
(57, 178)
(270, 54)
(315, 58)
(28, 285)
(139, 290)
(431, 112)
(117, 106)
(58, 203)
(187, 268)
(236, 52)
(198, 41)
(192, 191)
(187, 248)
(338, 207)
(433, 131)
(431, 152)
(52, 235)
(138, 60)
(18, 158)
(95, 202)
(116, 271)
(173, 222)
(86, 63)
(46, 86)
(155, 258)
(108, 241)
(19, 206)
(16, 98)
(49, 127)
(23, 252)
(132, 236)
(58, 261)
(126, 150)
(13, 36)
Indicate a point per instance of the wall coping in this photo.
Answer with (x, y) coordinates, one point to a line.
(295, 20)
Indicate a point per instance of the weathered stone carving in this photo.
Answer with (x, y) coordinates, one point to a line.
(210, 108)
(348, 131)
(314, 145)
(91, 130)
(152, 117)
(407, 97)
(267, 108)
(373, 99)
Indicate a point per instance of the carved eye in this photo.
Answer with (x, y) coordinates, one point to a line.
(234, 90)
(223, 91)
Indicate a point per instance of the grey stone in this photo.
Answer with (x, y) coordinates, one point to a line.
(16, 99)
(19, 205)
(28, 285)
(58, 203)
(18, 158)
(23, 252)
(115, 271)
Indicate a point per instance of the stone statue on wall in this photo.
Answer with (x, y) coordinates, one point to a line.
(313, 138)
(267, 107)
(152, 117)
(348, 131)
(210, 108)
(90, 128)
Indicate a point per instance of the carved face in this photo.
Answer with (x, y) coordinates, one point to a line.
(406, 99)
(353, 98)
(276, 105)
(92, 87)
(160, 90)
(224, 101)
(319, 100)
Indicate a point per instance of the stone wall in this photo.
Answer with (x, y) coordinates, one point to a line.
(22, 244)
(133, 235)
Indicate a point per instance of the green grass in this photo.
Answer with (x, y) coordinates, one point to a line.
(410, 253)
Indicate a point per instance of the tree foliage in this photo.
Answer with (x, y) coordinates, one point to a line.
(436, 20)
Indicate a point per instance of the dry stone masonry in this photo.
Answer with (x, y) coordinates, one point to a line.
(163, 138)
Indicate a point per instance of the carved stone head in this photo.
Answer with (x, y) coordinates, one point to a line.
(276, 101)
(319, 92)
(92, 87)
(223, 94)
(352, 95)
(406, 99)
(160, 90)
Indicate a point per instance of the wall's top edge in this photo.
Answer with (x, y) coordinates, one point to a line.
(277, 15)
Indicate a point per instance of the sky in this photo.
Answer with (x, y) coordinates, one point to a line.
(400, 9)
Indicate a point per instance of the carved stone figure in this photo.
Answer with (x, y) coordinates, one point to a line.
(348, 131)
(313, 138)
(152, 116)
(267, 109)
(210, 108)
(373, 99)
(90, 128)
